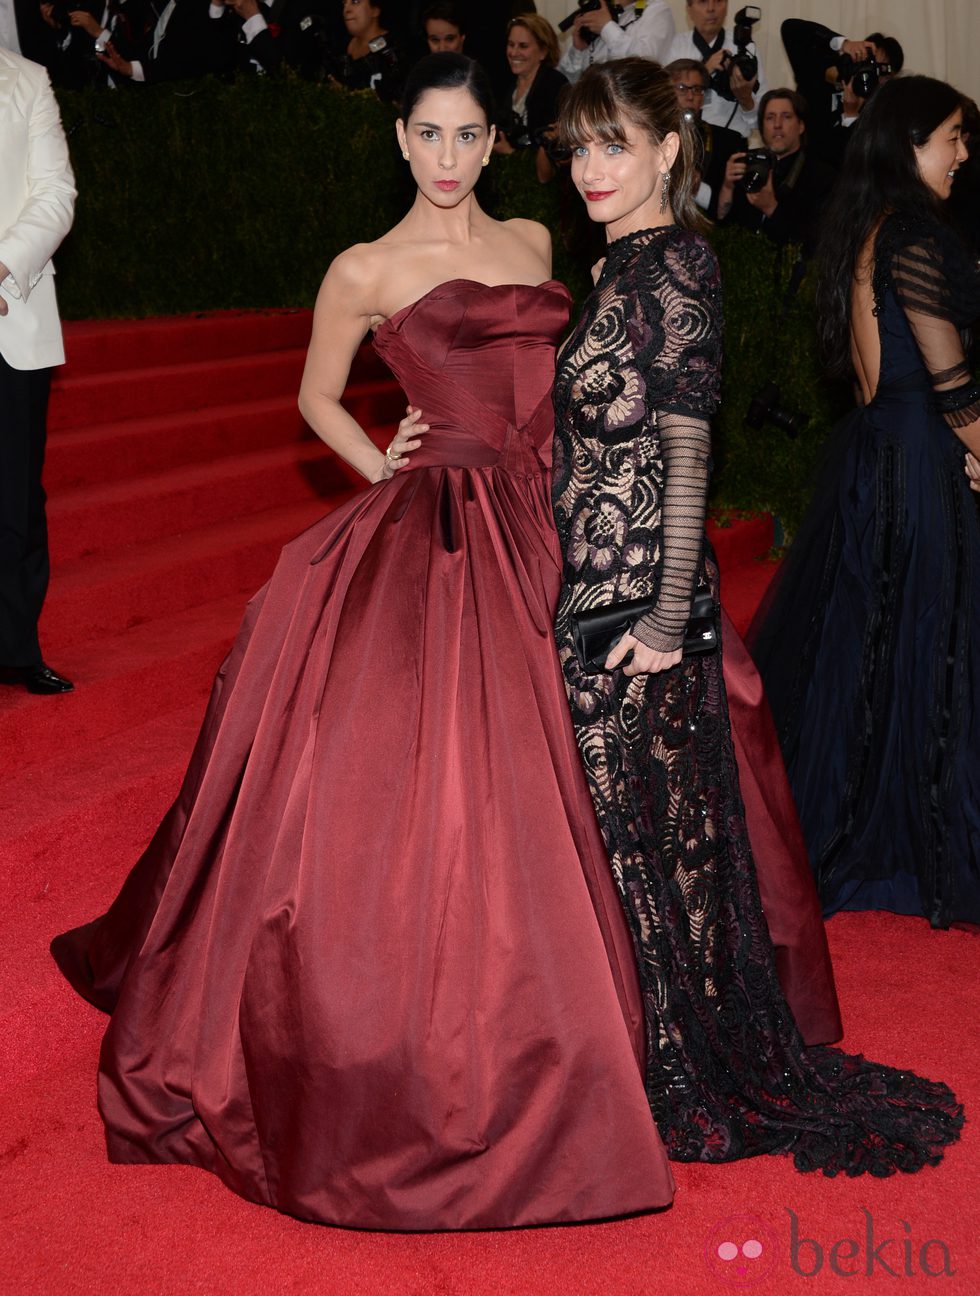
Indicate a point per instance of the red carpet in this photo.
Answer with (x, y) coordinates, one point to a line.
(177, 467)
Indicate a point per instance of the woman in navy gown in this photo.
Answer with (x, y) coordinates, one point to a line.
(869, 642)
(728, 1074)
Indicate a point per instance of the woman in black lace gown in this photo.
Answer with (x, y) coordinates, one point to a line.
(869, 642)
(728, 1075)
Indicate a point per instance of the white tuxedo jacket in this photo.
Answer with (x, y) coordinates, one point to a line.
(37, 202)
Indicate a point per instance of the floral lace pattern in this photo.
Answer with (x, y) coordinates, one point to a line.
(728, 1075)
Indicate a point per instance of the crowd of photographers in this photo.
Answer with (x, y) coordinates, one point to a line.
(776, 189)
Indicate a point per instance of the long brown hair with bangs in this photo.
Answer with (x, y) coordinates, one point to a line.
(610, 97)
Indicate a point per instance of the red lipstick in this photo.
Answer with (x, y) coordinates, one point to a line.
(597, 195)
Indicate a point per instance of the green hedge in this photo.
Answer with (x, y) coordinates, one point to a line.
(221, 195)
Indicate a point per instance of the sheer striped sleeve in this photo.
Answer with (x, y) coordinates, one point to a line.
(927, 295)
(686, 447)
(687, 380)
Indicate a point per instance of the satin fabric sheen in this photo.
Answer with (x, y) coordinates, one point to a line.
(786, 886)
(373, 968)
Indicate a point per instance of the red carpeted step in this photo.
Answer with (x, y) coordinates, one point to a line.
(101, 518)
(742, 590)
(737, 538)
(121, 681)
(133, 447)
(164, 389)
(110, 346)
(96, 346)
(105, 597)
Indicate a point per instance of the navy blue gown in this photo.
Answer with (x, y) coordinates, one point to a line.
(869, 641)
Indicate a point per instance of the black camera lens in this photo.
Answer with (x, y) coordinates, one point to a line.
(747, 64)
(764, 407)
(758, 166)
(864, 76)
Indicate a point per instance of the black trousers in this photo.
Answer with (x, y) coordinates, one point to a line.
(24, 566)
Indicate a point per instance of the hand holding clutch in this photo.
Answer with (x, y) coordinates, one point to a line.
(595, 632)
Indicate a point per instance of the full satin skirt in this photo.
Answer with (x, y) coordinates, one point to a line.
(372, 969)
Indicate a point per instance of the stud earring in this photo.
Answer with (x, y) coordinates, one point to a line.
(486, 160)
(405, 154)
(664, 191)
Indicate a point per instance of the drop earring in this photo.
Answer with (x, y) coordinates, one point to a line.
(664, 191)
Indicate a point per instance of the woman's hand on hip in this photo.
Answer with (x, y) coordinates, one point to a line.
(645, 661)
(973, 471)
(406, 439)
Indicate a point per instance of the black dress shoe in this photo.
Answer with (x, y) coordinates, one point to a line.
(36, 679)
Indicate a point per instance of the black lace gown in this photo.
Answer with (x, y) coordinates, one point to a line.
(728, 1075)
(869, 640)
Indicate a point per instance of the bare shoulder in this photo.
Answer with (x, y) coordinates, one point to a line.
(533, 233)
(354, 283)
(354, 270)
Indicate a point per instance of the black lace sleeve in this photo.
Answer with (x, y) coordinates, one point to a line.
(933, 302)
(683, 314)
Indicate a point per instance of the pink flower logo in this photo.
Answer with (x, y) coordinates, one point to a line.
(741, 1249)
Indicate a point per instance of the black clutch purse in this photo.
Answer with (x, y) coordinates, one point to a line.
(596, 632)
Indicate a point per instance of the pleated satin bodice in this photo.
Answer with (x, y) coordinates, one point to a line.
(479, 361)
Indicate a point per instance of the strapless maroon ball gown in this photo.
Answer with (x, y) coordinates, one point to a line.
(372, 969)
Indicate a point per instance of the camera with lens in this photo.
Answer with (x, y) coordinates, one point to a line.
(743, 59)
(764, 407)
(588, 6)
(759, 163)
(546, 137)
(315, 59)
(387, 55)
(514, 127)
(520, 136)
(864, 76)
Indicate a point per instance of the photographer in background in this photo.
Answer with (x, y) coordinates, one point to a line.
(182, 45)
(267, 35)
(81, 31)
(528, 99)
(836, 76)
(371, 60)
(777, 190)
(443, 26)
(603, 31)
(718, 144)
(733, 98)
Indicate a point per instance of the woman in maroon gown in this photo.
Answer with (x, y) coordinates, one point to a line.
(372, 968)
